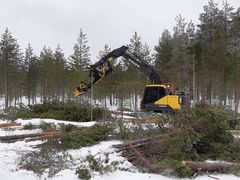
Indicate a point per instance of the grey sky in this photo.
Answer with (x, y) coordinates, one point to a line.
(52, 22)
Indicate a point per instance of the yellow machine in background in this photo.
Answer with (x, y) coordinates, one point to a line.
(160, 97)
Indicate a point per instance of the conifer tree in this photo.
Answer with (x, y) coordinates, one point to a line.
(163, 56)
(31, 76)
(209, 30)
(47, 77)
(59, 67)
(10, 58)
(80, 58)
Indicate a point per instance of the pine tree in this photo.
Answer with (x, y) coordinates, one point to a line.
(209, 33)
(80, 58)
(163, 56)
(79, 61)
(146, 54)
(105, 88)
(104, 52)
(226, 14)
(9, 61)
(191, 50)
(181, 61)
(32, 72)
(134, 77)
(234, 60)
(59, 67)
(47, 74)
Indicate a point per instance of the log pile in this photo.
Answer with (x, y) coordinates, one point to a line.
(141, 152)
(137, 152)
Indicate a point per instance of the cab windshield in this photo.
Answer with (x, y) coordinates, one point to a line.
(152, 94)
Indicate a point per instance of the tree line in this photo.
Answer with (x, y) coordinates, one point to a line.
(202, 59)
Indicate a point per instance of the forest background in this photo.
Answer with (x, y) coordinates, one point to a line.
(202, 59)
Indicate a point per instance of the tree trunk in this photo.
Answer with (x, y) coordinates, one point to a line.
(210, 92)
(110, 99)
(135, 99)
(105, 101)
(15, 98)
(6, 86)
(45, 90)
(23, 136)
(236, 100)
(130, 103)
(28, 93)
(210, 167)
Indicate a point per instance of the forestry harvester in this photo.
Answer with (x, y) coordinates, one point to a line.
(157, 96)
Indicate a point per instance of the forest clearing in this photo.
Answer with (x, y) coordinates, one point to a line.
(142, 91)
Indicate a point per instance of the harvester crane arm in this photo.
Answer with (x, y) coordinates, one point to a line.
(103, 68)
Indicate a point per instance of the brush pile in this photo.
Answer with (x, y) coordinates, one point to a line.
(192, 135)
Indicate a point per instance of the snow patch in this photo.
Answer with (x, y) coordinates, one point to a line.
(38, 121)
(9, 156)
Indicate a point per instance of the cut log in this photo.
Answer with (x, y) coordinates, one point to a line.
(10, 124)
(40, 137)
(144, 141)
(133, 143)
(23, 136)
(210, 167)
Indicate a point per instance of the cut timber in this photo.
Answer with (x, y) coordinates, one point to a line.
(210, 167)
(10, 124)
(40, 137)
(126, 146)
(23, 136)
(142, 121)
(133, 143)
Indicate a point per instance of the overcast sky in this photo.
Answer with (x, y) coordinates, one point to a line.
(52, 22)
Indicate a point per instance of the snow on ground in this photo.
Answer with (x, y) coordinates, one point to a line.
(9, 131)
(98, 151)
(3, 121)
(10, 154)
(11, 103)
(2, 103)
(16, 131)
(38, 121)
(119, 116)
